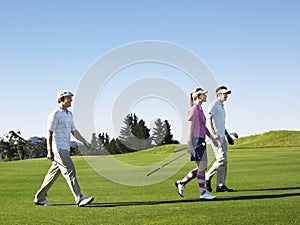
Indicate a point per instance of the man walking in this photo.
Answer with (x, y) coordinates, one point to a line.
(60, 127)
(216, 125)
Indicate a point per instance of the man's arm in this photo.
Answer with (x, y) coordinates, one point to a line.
(50, 154)
(211, 126)
(79, 137)
(213, 140)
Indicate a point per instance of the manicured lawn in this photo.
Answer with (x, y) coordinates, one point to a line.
(266, 181)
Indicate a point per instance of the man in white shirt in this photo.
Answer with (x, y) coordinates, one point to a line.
(60, 127)
(216, 125)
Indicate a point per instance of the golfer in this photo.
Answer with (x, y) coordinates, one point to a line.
(197, 144)
(60, 126)
(217, 127)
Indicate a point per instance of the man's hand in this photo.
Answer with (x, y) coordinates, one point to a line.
(87, 145)
(50, 155)
(229, 139)
(215, 136)
(215, 142)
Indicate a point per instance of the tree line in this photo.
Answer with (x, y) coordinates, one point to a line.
(134, 136)
(14, 147)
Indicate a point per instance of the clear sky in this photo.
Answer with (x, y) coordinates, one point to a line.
(252, 47)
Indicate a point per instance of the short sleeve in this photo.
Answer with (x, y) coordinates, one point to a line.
(192, 114)
(52, 122)
(212, 109)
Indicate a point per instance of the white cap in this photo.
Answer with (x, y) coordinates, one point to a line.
(63, 93)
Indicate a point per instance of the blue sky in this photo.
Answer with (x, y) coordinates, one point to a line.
(251, 46)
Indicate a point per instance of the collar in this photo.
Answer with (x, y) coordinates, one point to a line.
(197, 106)
(61, 109)
(220, 103)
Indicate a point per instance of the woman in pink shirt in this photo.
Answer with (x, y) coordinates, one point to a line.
(197, 144)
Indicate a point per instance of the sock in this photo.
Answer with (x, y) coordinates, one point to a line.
(190, 176)
(201, 181)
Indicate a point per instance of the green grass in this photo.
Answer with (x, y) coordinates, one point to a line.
(272, 139)
(266, 181)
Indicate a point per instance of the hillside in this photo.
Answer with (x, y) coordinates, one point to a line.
(274, 139)
(271, 139)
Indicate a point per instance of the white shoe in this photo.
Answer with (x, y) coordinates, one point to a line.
(207, 196)
(85, 201)
(180, 188)
(44, 203)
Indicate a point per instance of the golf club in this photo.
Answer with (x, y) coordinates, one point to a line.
(234, 134)
(167, 163)
(60, 164)
(178, 150)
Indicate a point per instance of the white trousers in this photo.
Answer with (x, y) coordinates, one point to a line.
(220, 165)
(62, 164)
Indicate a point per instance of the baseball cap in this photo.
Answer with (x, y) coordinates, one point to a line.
(222, 90)
(63, 93)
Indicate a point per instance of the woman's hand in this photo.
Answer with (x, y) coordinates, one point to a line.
(190, 147)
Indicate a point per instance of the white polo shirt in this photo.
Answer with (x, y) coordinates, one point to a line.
(218, 114)
(61, 123)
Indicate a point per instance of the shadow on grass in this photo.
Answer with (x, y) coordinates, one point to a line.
(182, 201)
(239, 198)
(271, 189)
(64, 204)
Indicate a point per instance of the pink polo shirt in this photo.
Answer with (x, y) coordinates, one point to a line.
(197, 117)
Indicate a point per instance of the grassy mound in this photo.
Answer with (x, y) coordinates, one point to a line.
(272, 139)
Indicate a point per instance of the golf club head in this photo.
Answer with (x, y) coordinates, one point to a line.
(234, 135)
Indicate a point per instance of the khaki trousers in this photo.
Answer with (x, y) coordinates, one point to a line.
(220, 165)
(62, 164)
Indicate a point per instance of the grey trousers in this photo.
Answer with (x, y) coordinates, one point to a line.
(220, 165)
(62, 164)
